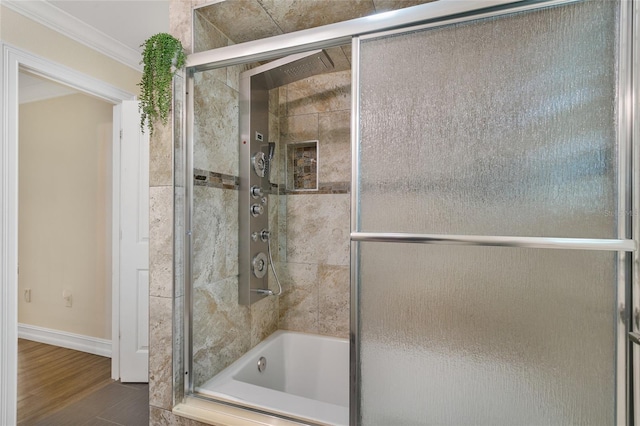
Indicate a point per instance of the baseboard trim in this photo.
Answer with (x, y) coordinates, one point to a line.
(78, 342)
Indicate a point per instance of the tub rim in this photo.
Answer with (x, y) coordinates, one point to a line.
(221, 410)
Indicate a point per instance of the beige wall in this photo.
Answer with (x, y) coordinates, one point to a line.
(28, 35)
(63, 170)
(64, 214)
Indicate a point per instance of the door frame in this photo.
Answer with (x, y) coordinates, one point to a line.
(12, 60)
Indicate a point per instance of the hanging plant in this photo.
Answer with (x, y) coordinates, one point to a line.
(162, 56)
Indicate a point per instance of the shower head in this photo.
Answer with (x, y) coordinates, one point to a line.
(303, 66)
(272, 150)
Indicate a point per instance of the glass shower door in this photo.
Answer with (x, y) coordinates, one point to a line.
(490, 239)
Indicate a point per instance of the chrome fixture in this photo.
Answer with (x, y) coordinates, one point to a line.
(256, 192)
(265, 236)
(259, 163)
(258, 262)
(259, 265)
(272, 150)
(309, 64)
(262, 364)
(256, 159)
(256, 210)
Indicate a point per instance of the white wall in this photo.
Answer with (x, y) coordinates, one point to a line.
(64, 214)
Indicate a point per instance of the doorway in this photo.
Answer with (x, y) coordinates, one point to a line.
(65, 216)
(64, 233)
(16, 60)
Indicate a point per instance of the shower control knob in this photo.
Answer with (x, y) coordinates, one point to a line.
(259, 265)
(257, 210)
(259, 162)
(256, 191)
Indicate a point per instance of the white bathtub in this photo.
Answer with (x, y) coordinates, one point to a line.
(306, 376)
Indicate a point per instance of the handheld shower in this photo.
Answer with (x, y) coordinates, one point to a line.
(266, 236)
(272, 150)
(270, 155)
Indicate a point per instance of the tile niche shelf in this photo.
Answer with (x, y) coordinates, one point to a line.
(302, 166)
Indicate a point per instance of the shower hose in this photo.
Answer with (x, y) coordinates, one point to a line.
(273, 268)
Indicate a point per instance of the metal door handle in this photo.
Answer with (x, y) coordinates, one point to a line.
(634, 337)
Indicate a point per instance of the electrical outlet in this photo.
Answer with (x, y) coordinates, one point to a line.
(66, 295)
(27, 295)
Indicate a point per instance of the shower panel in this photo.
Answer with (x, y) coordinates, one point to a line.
(256, 155)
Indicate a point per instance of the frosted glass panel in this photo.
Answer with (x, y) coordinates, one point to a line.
(503, 126)
(486, 336)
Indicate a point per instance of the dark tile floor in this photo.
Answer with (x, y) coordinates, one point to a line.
(115, 404)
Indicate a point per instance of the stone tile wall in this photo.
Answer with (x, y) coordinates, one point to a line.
(315, 235)
(223, 330)
(163, 298)
(166, 377)
(302, 166)
(326, 301)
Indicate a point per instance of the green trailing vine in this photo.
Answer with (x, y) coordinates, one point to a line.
(162, 56)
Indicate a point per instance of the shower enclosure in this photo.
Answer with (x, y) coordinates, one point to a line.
(493, 211)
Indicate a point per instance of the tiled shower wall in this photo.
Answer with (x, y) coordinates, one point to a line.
(223, 330)
(330, 224)
(315, 241)
(164, 300)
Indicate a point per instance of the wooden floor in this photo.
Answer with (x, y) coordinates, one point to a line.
(51, 378)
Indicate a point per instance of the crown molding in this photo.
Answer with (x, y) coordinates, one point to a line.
(62, 22)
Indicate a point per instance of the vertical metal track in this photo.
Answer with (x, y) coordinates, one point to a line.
(625, 215)
(354, 334)
(188, 249)
(176, 171)
(633, 395)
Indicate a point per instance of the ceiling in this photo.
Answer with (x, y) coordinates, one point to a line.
(116, 28)
(246, 20)
(119, 27)
(130, 22)
(33, 88)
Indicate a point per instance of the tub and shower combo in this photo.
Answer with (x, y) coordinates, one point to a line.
(297, 374)
(417, 217)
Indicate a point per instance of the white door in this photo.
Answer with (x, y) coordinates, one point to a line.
(134, 245)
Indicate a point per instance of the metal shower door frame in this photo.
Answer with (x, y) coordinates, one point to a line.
(626, 245)
(430, 14)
